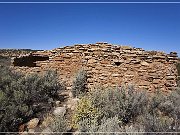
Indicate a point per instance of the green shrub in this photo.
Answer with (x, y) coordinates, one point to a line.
(80, 83)
(23, 97)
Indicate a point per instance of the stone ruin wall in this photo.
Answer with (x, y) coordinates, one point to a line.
(108, 65)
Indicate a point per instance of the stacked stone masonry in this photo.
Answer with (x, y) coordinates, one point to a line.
(108, 65)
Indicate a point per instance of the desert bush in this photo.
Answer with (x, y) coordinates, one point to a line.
(125, 103)
(80, 83)
(174, 98)
(149, 125)
(132, 129)
(155, 101)
(105, 126)
(85, 110)
(161, 114)
(84, 126)
(171, 105)
(113, 107)
(109, 125)
(131, 111)
(58, 124)
(25, 96)
(4, 60)
(157, 123)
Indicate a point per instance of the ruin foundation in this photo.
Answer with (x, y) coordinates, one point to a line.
(106, 65)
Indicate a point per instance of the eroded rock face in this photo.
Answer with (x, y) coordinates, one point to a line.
(109, 65)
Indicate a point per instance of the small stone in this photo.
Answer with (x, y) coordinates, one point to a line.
(68, 88)
(24, 133)
(58, 103)
(31, 131)
(32, 123)
(59, 111)
(72, 103)
(75, 101)
(21, 128)
(69, 106)
(76, 132)
(70, 94)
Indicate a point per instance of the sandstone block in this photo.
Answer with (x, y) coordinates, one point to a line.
(101, 78)
(88, 57)
(115, 75)
(90, 61)
(144, 63)
(170, 77)
(156, 81)
(129, 75)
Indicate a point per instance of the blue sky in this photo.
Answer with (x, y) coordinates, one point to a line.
(48, 26)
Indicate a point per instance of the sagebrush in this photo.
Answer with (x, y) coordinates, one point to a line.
(25, 96)
(79, 86)
(128, 110)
